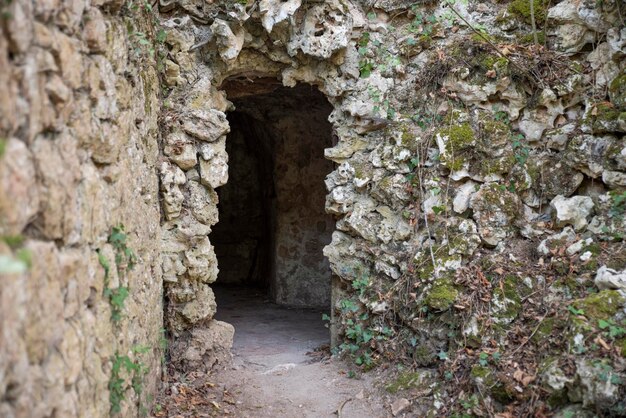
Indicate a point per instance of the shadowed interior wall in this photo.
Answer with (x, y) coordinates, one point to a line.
(272, 225)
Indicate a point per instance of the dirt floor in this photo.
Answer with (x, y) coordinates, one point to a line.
(281, 368)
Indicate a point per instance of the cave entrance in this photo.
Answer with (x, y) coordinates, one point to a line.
(272, 223)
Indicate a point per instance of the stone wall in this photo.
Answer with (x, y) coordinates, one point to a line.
(78, 157)
(470, 151)
(462, 135)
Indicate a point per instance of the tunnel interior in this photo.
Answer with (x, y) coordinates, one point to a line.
(272, 224)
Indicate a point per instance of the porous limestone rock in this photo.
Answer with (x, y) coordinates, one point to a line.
(172, 178)
(229, 40)
(275, 11)
(206, 349)
(608, 278)
(463, 195)
(495, 211)
(181, 149)
(205, 124)
(572, 211)
(214, 164)
(325, 30)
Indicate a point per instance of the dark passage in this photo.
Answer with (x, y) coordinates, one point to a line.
(272, 225)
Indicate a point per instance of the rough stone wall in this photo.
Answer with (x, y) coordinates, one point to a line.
(458, 142)
(78, 157)
(302, 276)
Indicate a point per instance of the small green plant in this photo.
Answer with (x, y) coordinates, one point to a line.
(607, 373)
(118, 385)
(360, 285)
(618, 204)
(520, 150)
(422, 24)
(575, 311)
(3, 146)
(483, 359)
(117, 298)
(13, 241)
(366, 66)
(125, 258)
(612, 330)
(125, 261)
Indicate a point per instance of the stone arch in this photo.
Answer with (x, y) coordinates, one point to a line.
(196, 126)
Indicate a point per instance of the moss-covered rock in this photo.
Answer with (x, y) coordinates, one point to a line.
(521, 9)
(602, 305)
(607, 118)
(495, 210)
(407, 380)
(617, 91)
(441, 295)
(487, 380)
(453, 141)
(506, 303)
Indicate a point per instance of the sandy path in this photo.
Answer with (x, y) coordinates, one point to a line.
(272, 375)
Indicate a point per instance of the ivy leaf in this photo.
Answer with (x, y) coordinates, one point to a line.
(438, 209)
(161, 36)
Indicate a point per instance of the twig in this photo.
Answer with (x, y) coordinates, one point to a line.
(532, 20)
(495, 47)
(531, 335)
(338, 411)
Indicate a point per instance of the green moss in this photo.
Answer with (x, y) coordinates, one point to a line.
(496, 165)
(442, 295)
(404, 381)
(544, 330)
(483, 37)
(498, 196)
(489, 62)
(521, 9)
(361, 170)
(509, 298)
(13, 241)
(617, 91)
(423, 356)
(594, 248)
(602, 305)
(488, 380)
(480, 372)
(460, 137)
(497, 128)
(3, 146)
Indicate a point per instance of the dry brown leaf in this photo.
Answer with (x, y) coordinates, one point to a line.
(603, 343)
